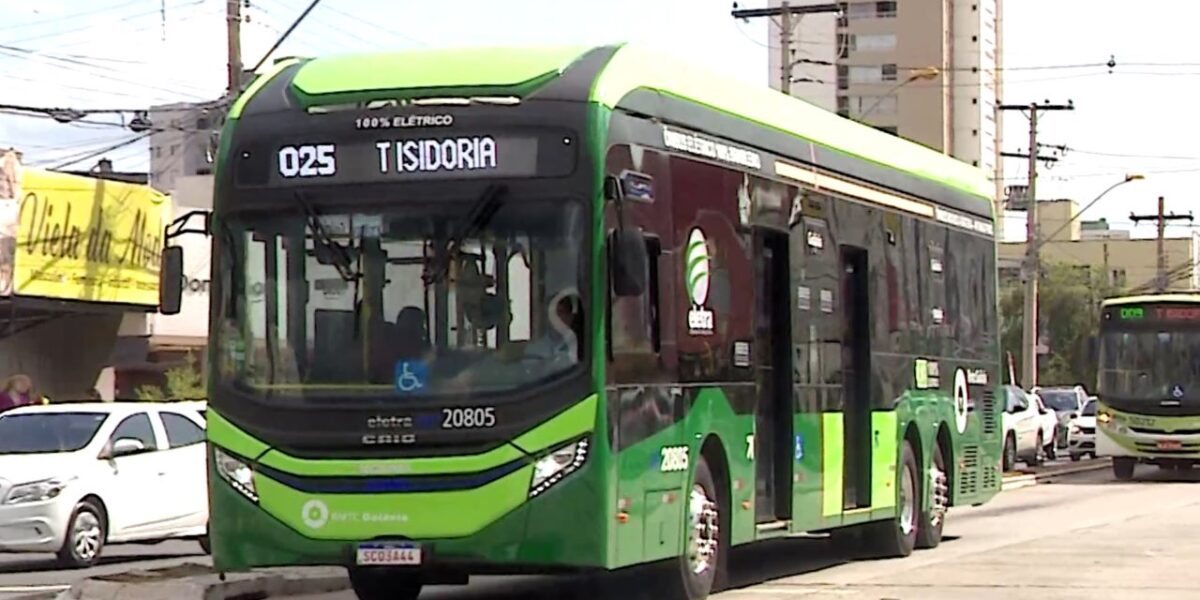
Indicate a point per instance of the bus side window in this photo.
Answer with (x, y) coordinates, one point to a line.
(635, 329)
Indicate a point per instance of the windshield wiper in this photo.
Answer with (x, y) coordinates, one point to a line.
(477, 218)
(339, 256)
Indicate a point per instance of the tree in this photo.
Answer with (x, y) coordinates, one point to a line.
(1069, 311)
(184, 382)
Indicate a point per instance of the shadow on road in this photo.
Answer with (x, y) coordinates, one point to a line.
(1144, 474)
(751, 566)
(44, 565)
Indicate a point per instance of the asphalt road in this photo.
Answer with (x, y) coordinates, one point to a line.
(1083, 537)
(23, 574)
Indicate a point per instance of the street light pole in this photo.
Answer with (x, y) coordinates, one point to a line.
(1128, 178)
(917, 74)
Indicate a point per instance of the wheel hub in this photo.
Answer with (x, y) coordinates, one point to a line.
(908, 516)
(939, 487)
(705, 531)
(86, 536)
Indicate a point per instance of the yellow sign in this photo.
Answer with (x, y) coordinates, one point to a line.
(81, 238)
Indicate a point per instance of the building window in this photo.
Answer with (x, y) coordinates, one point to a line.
(843, 74)
(874, 105)
(866, 10)
(865, 74)
(843, 106)
(888, 72)
(873, 42)
(844, 43)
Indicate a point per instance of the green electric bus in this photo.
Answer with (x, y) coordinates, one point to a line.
(512, 310)
(1148, 408)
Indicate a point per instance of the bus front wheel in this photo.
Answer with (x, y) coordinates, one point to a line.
(696, 573)
(1123, 467)
(376, 583)
(898, 536)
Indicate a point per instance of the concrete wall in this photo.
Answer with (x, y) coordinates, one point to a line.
(64, 356)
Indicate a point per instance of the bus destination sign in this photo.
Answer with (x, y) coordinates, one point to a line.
(381, 160)
(1158, 313)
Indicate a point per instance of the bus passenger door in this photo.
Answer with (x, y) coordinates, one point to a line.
(856, 379)
(772, 352)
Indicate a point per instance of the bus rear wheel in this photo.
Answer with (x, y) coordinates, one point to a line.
(1123, 467)
(377, 583)
(929, 528)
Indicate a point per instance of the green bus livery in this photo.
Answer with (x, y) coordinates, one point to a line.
(512, 310)
(1149, 387)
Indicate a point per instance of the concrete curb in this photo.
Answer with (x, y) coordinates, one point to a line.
(1017, 482)
(163, 585)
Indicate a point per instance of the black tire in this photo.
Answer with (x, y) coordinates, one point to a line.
(382, 583)
(888, 539)
(1075, 458)
(1036, 459)
(1052, 451)
(933, 520)
(1123, 467)
(1009, 461)
(694, 576)
(87, 531)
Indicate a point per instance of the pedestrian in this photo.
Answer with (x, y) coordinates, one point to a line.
(18, 391)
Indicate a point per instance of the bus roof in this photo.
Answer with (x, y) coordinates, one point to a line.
(629, 68)
(1152, 298)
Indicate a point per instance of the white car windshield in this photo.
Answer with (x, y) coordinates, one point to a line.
(48, 433)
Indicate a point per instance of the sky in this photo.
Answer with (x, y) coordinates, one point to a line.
(129, 54)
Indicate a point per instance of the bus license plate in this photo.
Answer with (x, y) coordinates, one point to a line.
(389, 554)
(1169, 445)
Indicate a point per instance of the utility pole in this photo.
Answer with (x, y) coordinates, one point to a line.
(233, 24)
(1160, 279)
(786, 37)
(1032, 266)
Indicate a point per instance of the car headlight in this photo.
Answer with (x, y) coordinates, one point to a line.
(553, 467)
(236, 473)
(37, 491)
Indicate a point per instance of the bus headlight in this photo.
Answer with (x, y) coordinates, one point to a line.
(553, 467)
(236, 473)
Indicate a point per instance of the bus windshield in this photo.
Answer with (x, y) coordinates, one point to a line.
(407, 300)
(1150, 365)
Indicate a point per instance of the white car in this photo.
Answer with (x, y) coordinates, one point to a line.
(1048, 419)
(1081, 438)
(75, 477)
(1022, 423)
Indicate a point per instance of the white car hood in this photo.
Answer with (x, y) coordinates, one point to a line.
(25, 468)
(1086, 421)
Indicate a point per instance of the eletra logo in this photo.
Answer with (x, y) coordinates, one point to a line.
(696, 278)
(315, 514)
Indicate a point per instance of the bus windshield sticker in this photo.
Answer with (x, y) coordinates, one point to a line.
(700, 319)
(977, 376)
(411, 376)
(741, 354)
(710, 148)
(921, 373)
(933, 371)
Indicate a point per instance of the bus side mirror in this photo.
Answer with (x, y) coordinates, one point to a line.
(630, 262)
(170, 281)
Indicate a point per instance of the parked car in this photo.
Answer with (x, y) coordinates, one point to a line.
(1082, 435)
(1066, 402)
(1022, 424)
(77, 477)
(1050, 428)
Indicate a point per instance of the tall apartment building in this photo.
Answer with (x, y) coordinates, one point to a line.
(876, 63)
(184, 142)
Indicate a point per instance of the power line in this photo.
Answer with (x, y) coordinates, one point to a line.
(110, 148)
(156, 12)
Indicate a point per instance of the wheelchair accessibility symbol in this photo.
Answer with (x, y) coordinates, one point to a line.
(411, 376)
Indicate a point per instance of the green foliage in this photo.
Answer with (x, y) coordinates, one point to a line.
(183, 383)
(1069, 312)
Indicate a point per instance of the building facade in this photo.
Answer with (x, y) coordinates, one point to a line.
(926, 70)
(1131, 264)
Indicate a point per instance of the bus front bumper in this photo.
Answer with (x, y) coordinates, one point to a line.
(547, 533)
(1117, 440)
